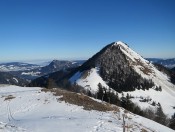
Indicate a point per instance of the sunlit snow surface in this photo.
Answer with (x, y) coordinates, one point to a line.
(34, 111)
(166, 97)
(90, 81)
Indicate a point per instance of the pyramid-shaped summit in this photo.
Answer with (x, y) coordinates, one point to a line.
(114, 67)
(119, 68)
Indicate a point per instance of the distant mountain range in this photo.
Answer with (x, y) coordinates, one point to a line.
(169, 63)
(17, 66)
(29, 72)
(57, 65)
(115, 74)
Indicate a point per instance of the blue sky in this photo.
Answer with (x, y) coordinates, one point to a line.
(77, 29)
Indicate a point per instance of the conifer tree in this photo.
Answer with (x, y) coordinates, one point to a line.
(160, 116)
(100, 93)
(172, 122)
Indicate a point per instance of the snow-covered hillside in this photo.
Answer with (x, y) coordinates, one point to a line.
(30, 109)
(89, 79)
(17, 66)
(166, 97)
(146, 69)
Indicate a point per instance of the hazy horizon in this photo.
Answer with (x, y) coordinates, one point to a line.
(39, 61)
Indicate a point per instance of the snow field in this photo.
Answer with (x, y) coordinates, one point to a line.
(36, 111)
(91, 81)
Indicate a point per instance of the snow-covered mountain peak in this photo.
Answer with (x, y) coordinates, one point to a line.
(131, 54)
(118, 67)
(136, 61)
(118, 57)
(119, 43)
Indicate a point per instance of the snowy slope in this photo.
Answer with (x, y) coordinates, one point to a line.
(147, 70)
(89, 79)
(29, 109)
(165, 99)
